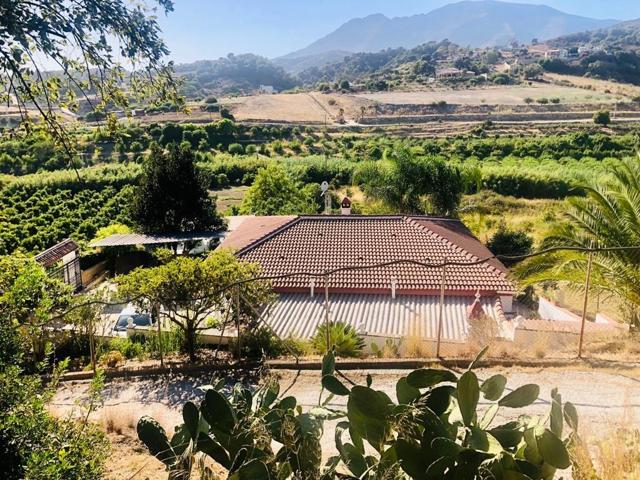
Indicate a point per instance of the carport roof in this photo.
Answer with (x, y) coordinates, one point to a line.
(128, 239)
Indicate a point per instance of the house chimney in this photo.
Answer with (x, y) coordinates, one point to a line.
(394, 284)
(345, 207)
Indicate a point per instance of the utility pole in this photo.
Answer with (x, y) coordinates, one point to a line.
(441, 310)
(584, 304)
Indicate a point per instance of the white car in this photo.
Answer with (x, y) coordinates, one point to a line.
(129, 316)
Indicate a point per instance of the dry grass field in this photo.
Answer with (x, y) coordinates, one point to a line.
(311, 107)
(506, 95)
(616, 88)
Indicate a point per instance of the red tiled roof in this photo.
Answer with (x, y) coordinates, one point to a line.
(252, 229)
(320, 243)
(51, 255)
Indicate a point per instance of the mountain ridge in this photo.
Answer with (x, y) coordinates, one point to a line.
(484, 23)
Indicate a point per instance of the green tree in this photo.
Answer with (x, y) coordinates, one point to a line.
(79, 38)
(533, 71)
(189, 290)
(607, 216)
(510, 243)
(171, 196)
(411, 184)
(275, 193)
(29, 297)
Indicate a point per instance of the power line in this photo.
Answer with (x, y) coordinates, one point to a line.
(316, 274)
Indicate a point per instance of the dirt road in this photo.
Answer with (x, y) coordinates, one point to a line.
(603, 398)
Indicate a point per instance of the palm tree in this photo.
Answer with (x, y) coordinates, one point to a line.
(608, 216)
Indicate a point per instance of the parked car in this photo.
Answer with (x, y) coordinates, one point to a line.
(130, 315)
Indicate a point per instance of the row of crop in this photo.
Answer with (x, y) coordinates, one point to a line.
(34, 219)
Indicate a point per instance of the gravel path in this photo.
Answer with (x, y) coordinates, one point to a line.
(603, 398)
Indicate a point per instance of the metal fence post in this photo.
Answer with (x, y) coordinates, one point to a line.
(441, 310)
(326, 311)
(92, 345)
(156, 317)
(584, 305)
(238, 346)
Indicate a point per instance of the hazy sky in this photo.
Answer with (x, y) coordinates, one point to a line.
(208, 29)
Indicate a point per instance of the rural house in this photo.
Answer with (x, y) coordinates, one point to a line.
(389, 301)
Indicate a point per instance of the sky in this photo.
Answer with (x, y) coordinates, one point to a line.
(209, 29)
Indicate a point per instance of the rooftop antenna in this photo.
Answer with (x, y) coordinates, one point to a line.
(324, 186)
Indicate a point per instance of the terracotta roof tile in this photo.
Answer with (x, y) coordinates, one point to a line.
(320, 243)
(254, 228)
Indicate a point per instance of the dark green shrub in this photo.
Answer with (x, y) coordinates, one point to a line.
(603, 117)
(257, 343)
(510, 243)
(236, 149)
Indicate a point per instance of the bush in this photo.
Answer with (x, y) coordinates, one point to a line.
(236, 149)
(342, 336)
(256, 343)
(510, 243)
(555, 100)
(528, 100)
(111, 359)
(542, 101)
(603, 117)
(211, 108)
(34, 444)
(211, 100)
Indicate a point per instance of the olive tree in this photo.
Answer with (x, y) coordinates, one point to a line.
(189, 290)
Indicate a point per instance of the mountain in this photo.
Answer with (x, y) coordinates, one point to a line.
(469, 23)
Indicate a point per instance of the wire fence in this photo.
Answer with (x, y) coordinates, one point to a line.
(520, 334)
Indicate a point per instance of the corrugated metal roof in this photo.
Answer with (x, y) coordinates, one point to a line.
(127, 239)
(51, 255)
(299, 315)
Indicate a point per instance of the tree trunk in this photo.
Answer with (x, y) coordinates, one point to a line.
(190, 337)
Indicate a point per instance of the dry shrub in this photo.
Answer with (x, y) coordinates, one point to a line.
(483, 332)
(539, 347)
(112, 359)
(614, 454)
(123, 418)
(118, 418)
(615, 457)
(622, 346)
(389, 349)
(416, 347)
(505, 349)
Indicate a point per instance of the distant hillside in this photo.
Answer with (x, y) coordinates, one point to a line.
(609, 53)
(623, 35)
(469, 23)
(295, 65)
(396, 67)
(232, 74)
